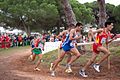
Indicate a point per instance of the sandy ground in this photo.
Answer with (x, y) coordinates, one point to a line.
(17, 67)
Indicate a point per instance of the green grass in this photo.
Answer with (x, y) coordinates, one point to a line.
(115, 51)
(49, 57)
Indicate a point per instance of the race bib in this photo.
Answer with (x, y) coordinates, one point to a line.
(103, 40)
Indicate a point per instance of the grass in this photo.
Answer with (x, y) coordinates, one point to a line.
(49, 57)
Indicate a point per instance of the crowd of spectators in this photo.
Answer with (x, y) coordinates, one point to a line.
(13, 40)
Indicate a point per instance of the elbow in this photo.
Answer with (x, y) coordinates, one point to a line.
(71, 38)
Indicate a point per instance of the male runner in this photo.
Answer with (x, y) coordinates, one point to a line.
(68, 46)
(103, 34)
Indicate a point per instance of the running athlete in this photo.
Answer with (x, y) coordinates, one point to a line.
(62, 36)
(102, 37)
(68, 46)
(74, 43)
(32, 43)
(37, 51)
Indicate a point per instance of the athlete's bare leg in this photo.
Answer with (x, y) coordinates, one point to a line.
(106, 54)
(38, 62)
(58, 60)
(75, 56)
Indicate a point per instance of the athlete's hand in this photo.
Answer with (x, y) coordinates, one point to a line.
(78, 37)
(115, 37)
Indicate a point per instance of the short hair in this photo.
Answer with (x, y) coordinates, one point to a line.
(79, 24)
(107, 23)
(71, 25)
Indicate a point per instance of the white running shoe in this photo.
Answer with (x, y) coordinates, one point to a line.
(51, 66)
(31, 57)
(36, 69)
(96, 67)
(68, 70)
(53, 73)
(82, 73)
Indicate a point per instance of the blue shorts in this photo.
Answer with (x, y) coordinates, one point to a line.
(32, 46)
(67, 47)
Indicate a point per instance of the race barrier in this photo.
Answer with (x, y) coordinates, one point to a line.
(50, 46)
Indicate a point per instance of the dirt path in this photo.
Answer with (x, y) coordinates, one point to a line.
(16, 67)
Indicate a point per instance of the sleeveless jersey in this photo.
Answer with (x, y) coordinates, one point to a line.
(102, 37)
(68, 41)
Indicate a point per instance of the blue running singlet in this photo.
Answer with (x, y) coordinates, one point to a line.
(67, 44)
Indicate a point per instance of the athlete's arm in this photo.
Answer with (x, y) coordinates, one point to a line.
(71, 35)
(115, 37)
(97, 31)
(61, 34)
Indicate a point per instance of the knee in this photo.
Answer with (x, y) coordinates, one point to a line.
(78, 55)
(60, 59)
(109, 53)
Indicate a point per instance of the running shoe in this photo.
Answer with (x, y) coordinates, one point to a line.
(82, 73)
(68, 69)
(51, 66)
(53, 73)
(31, 57)
(36, 69)
(96, 67)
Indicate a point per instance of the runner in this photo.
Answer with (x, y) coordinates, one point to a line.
(37, 51)
(74, 42)
(32, 43)
(102, 37)
(68, 46)
(62, 36)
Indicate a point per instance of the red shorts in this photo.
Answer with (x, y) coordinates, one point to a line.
(95, 46)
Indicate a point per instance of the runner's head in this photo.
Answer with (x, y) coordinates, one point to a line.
(79, 26)
(71, 26)
(109, 26)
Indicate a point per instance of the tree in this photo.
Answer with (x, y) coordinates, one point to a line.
(29, 15)
(62, 21)
(116, 14)
(69, 14)
(102, 13)
(83, 14)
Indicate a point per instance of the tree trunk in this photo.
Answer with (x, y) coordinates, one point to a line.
(62, 21)
(26, 28)
(102, 13)
(69, 14)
